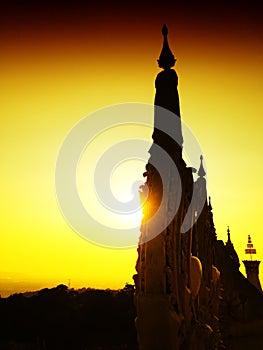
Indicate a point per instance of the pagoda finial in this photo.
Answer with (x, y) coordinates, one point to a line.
(228, 234)
(201, 171)
(250, 247)
(166, 59)
(164, 30)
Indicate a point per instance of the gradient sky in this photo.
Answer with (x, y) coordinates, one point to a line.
(61, 61)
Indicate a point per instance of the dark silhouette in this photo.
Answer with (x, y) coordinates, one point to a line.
(190, 294)
(62, 318)
(167, 97)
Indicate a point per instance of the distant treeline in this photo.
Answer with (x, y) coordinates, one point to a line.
(62, 318)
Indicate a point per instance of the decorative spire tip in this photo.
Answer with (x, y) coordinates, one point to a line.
(228, 234)
(166, 59)
(250, 247)
(201, 171)
(164, 30)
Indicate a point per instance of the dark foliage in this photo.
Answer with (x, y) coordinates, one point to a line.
(60, 318)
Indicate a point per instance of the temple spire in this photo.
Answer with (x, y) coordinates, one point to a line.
(250, 249)
(201, 171)
(231, 250)
(166, 59)
(228, 234)
(167, 97)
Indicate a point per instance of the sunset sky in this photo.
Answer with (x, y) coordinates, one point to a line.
(61, 61)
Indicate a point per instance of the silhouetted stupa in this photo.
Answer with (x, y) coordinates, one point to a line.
(189, 291)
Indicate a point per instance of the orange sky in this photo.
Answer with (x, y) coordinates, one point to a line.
(61, 62)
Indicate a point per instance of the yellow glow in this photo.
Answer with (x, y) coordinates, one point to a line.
(44, 95)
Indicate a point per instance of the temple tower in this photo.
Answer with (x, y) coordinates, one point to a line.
(176, 282)
(252, 266)
(162, 281)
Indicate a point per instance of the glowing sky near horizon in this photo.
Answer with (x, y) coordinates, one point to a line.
(58, 65)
